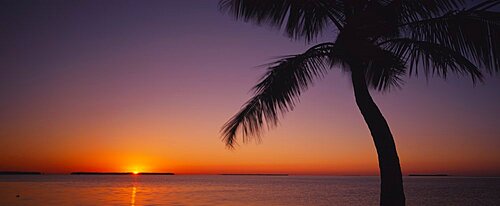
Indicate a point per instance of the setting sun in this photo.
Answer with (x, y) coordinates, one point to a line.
(248, 102)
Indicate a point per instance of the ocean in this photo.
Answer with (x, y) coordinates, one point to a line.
(220, 190)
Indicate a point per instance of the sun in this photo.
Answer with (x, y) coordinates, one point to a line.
(135, 172)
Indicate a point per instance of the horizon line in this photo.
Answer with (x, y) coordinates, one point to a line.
(6, 172)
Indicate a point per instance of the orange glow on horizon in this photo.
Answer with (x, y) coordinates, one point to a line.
(151, 95)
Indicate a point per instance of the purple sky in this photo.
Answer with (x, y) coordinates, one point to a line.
(172, 72)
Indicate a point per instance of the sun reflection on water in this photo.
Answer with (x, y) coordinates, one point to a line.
(132, 201)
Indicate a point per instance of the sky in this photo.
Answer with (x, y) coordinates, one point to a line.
(147, 85)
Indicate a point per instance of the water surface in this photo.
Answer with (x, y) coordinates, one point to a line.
(238, 190)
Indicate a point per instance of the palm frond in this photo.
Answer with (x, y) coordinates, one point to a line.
(433, 58)
(485, 5)
(412, 11)
(474, 34)
(278, 91)
(300, 18)
(384, 70)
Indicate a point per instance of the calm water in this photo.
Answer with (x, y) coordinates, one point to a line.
(238, 190)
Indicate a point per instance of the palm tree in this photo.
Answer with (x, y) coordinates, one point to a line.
(377, 42)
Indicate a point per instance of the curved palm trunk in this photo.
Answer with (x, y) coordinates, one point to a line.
(390, 171)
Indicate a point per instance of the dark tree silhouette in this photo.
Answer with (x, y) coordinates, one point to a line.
(377, 42)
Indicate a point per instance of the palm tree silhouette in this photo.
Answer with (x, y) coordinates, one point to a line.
(377, 42)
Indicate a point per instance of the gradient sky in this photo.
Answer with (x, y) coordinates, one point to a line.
(147, 85)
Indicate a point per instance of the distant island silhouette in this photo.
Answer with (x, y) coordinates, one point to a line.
(258, 174)
(155, 173)
(428, 175)
(121, 173)
(19, 173)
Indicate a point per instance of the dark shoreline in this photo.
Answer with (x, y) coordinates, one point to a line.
(121, 173)
(428, 175)
(256, 174)
(19, 173)
(156, 173)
